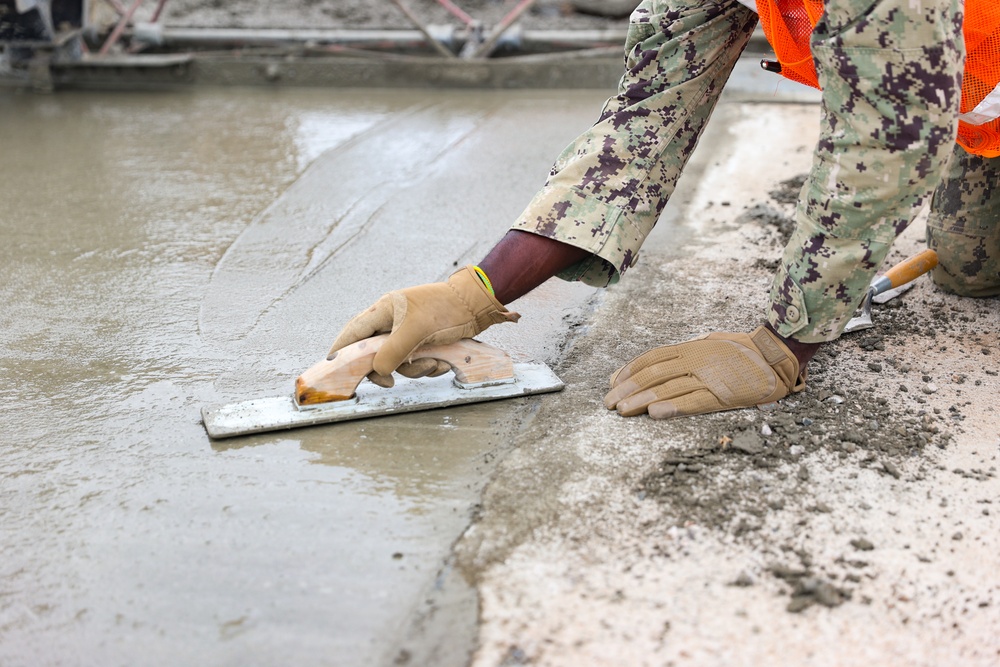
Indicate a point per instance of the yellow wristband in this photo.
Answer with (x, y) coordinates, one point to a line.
(486, 281)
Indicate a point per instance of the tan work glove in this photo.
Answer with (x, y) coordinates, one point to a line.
(719, 371)
(437, 313)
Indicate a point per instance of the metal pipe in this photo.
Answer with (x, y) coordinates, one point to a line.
(208, 37)
(161, 34)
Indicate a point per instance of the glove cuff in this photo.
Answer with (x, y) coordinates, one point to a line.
(779, 357)
(483, 306)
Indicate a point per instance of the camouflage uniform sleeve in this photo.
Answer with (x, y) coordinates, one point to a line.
(607, 189)
(891, 79)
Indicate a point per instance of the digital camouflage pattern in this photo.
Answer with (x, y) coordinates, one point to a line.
(607, 189)
(891, 77)
(890, 72)
(964, 226)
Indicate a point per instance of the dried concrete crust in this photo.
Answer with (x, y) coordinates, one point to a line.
(855, 525)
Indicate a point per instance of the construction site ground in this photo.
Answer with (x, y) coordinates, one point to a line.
(170, 250)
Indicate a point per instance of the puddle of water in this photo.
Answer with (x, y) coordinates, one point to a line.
(163, 252)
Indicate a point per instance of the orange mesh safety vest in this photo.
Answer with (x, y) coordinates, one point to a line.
(788, 25)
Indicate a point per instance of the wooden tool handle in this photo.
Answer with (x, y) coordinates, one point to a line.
(338, 378)
(912, 268)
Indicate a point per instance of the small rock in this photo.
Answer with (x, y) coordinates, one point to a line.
(800, 603)
(747, 442)
(874, 367)
(743, 580)
(808, 586)
(765, 430)
(861, 544)
(929, 388)
(828, 595)
(957, 537)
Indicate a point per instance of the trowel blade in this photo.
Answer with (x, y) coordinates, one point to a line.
(864, 320)
(859, 323)
(408, 395)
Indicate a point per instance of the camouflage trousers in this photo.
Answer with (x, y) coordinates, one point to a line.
(964, 226)
(891, 79)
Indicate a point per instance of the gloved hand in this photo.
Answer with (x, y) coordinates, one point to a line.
(437, 313)
(719, 371)
(412, 369)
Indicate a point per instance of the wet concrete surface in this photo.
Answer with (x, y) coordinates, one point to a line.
(163, 252)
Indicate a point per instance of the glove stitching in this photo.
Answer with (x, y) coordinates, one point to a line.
(468, 306)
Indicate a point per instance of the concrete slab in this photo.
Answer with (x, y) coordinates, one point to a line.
(164, 252)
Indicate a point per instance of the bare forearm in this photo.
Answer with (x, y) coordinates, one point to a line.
(522, 261)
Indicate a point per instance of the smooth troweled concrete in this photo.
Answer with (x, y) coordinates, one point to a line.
(163, 252)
